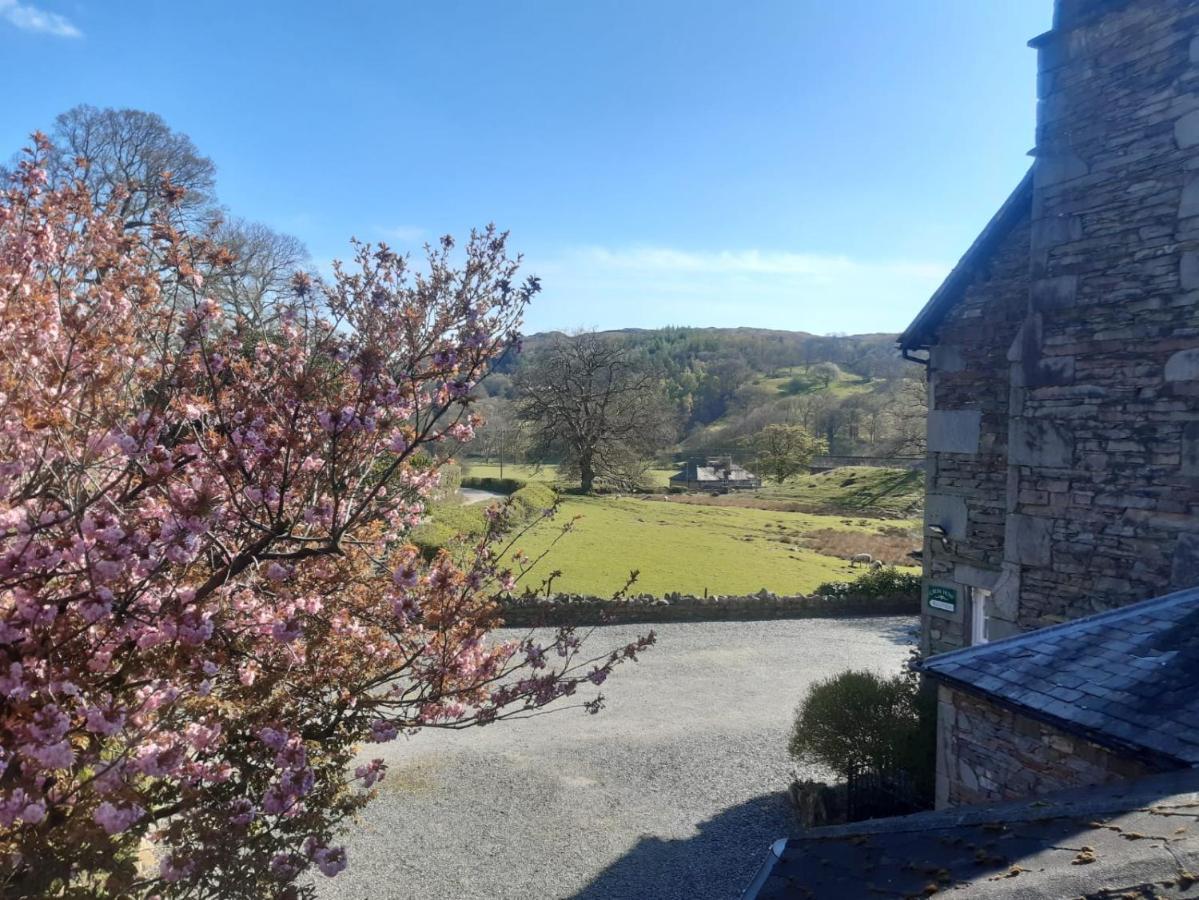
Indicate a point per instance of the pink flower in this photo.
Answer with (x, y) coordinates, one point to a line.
(286, 631)
(242, 812)
(115, 819)
(59, 755)
(20, 807)
(369, 774)
(276, 572)
(330, 860)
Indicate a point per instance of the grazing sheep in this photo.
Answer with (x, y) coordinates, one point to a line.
(863, 558)
(877, 564)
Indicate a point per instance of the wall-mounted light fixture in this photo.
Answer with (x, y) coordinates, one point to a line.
(939, 533)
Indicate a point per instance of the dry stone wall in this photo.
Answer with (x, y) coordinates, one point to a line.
(576, 609)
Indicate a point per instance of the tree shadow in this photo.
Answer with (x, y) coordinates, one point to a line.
(716, 864)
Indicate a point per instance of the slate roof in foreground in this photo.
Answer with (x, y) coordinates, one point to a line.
(1132, 839)
(1127, 678)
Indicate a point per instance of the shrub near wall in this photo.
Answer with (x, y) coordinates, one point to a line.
(495, 485)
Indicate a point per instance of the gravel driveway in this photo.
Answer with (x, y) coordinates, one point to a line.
(673, 791)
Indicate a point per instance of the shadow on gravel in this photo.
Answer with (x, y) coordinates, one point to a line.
(716, 864)
(904, 635)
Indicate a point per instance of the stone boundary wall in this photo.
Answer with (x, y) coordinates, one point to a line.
(574, 609)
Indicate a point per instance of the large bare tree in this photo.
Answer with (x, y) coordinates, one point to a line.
(593, 405)
(256, 278)
(136, 155)
(134, 151)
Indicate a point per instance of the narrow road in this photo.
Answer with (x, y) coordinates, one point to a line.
(674, 792)
(474, 495)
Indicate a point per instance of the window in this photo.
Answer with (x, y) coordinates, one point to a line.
(980, 601)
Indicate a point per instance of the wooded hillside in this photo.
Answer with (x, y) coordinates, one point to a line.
(725, 384)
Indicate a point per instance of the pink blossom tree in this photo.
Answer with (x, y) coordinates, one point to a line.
(207, 601)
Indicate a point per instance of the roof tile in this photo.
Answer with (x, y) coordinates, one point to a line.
(1129, 675)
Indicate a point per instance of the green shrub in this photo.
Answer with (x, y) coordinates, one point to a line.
(885, 582)
(531, 500)
(495, 485)
(862, 719)
(446, 521)
(853, 719)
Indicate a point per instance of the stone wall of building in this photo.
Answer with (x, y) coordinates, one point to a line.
(987, 753)
(1103, 481)
(967, 439)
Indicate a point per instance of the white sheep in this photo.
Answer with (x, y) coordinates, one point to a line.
(864, 558)
(877, 564)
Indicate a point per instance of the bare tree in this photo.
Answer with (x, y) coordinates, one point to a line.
(594, 406)
(135, 155)
(136, 152)
(257, 275)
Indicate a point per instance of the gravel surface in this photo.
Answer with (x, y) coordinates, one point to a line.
(673, 791)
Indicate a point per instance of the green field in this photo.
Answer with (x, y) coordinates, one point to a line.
(549, 473)
(845, 384)
(686, 548)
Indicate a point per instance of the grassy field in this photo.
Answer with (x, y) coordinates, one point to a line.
(688, 548)
(844, 385)
(549, 474)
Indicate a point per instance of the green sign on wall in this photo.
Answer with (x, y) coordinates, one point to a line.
(942, 598)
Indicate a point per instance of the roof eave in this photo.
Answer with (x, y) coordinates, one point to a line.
(1158, 758)
(917, 336)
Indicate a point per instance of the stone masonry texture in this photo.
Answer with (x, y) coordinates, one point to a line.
(989, 753)
(1078, 341)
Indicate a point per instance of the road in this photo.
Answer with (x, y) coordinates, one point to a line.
(474, 495)
(673, 791)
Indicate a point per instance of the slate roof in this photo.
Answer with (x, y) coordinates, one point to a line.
(713, 472)
(1129, 839)
(1018, 205)
(1127, 678)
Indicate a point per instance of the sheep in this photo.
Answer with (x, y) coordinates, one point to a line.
(864, 558)
(877, 564)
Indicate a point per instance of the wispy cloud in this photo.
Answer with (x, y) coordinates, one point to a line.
(33, 18)
(654, 286)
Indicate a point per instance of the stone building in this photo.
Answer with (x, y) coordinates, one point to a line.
(718, 474)
(1109, 697)
(1063, 350)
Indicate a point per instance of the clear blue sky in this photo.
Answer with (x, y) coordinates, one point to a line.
(803, 164)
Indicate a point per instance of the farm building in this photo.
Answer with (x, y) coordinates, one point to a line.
(718, 474)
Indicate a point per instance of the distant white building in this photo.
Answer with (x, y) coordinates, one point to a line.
(717, 474)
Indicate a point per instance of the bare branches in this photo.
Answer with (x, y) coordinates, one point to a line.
(594, 405)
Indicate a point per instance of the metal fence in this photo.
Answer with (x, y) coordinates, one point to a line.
(878, 792)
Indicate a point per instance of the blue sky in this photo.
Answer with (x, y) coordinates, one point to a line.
(800, 164)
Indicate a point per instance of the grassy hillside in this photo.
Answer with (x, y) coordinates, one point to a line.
(855, 488)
